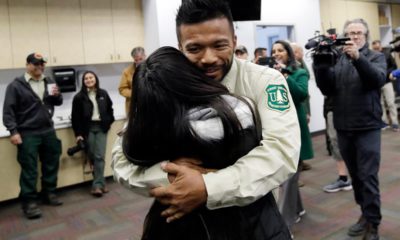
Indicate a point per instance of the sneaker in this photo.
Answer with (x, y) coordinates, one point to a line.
(385, 127)
(337, 186)
(395, 127)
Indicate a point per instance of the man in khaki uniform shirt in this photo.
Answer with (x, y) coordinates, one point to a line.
(210, 45)
(125, 85)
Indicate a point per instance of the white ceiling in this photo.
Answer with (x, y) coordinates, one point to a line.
(380, 1)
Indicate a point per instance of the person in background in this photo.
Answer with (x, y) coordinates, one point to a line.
(91, 117)
(299, 55)
(354, 83)
(241, 52)
(343, 183)
(125, 85)
(27, 113)
(208, 40)
(290, 202)
(259, 52)
(388, 96)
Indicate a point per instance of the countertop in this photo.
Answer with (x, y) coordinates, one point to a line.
(62, 119)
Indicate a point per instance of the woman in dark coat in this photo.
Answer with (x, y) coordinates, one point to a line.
(92, 116)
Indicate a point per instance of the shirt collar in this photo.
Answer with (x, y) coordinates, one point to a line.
(29, 77)
(230, 78)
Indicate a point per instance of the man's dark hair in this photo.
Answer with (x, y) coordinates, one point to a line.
(259, 51)
(166, 86)
(376, 42)
(291, 59)
(198, 11)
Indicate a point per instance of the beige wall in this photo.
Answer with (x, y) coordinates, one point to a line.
(395, 15)
(71, 168)
(334, 14)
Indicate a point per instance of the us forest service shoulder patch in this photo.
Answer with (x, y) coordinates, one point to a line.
(278, 99)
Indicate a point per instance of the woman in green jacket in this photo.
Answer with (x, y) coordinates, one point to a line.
(297, 79)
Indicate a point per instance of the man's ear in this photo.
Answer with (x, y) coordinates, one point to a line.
(180, 46)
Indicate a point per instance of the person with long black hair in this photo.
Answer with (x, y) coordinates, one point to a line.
(92, 116)
(178, 112)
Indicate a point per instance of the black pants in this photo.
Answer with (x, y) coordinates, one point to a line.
(361, 150)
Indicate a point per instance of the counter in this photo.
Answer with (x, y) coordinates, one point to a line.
(71, 169)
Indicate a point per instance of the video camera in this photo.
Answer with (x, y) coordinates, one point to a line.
(325, 49)
(80, 145)
(267, 61)
(395, 45)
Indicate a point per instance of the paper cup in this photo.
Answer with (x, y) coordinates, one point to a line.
(50, 88)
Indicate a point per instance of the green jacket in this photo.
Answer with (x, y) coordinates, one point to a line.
(298, 87)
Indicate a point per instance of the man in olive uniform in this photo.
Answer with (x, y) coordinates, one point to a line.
(27, 114)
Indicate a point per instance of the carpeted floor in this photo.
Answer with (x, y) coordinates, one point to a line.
(120, 213)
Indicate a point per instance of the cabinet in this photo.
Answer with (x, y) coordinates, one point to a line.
(128, 28)
(65, 32)
(29, 32)
(5, 40)
(98, 35)
(111, 29)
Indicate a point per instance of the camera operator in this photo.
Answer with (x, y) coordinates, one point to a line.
(92, 116)
(354, 83)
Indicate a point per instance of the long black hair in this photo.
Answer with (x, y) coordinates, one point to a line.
(291, 58)
(83, 86)
(165, 86)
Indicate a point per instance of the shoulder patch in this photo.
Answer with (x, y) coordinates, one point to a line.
(278, 99)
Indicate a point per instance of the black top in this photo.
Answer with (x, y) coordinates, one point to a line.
(24, 112)
(354, 86)
(82, 110)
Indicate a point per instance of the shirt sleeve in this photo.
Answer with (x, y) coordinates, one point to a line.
(137, 178)
(268, 165)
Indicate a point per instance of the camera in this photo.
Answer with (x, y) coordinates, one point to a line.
(325, 50)
(395, 45)
(267, 61)
(80, 145)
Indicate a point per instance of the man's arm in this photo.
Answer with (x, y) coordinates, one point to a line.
(372, 72)
(9, 109)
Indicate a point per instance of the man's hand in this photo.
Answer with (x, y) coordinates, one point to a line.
(186, 193)
(16, 139)
(351, 50)
(55, 91)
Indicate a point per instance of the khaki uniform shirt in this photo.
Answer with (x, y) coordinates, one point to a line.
(38, 86)
(125, 85)
(252, 176)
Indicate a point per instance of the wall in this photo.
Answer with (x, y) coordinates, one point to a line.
(271, 14)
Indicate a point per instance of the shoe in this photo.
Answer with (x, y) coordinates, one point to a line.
(305, 166)
(96, 192)
(395, 127)
(385, 127)
(31, 210)
(302, 213)
(371, 233)
(338, 185)
(104, 190)
(51, 199)
(359, 228)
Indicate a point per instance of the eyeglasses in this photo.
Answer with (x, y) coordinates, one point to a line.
(353, 34)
